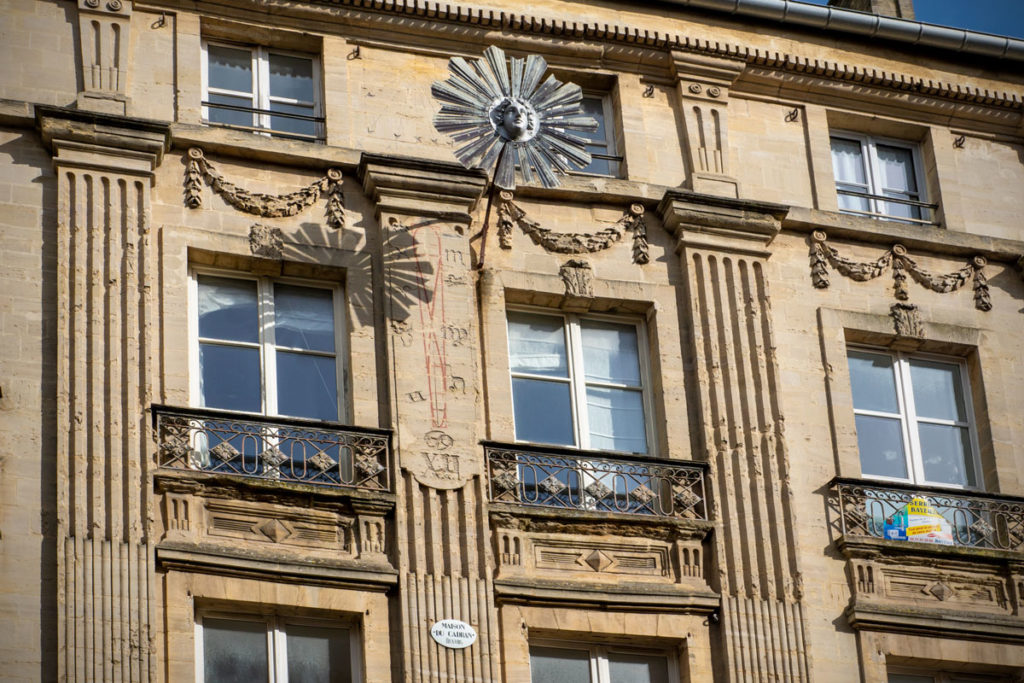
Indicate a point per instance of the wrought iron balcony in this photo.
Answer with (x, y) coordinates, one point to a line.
(595, 481)
(977, 520)
(279, 449)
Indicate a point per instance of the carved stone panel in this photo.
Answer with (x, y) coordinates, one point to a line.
(433, 338)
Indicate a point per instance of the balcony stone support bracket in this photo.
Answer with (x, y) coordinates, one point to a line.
(723, 244)
(106, 376)
(427, 291)
(104, 41)
(703, 83)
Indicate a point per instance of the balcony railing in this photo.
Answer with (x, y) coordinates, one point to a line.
(594, 481)
(271, 122)
(278, 449)
(925, 211)
(976, 520)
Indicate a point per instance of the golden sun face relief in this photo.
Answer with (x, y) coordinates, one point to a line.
(501, 113)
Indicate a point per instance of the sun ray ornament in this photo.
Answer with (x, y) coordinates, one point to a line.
(501, 113)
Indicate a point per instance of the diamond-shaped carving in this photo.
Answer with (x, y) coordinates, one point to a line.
(598, 561)
(322, 461)
(224, 451)
(642, 494)
(686, 498)
(505, 481)
(368, 465)
(552, 486)
(940, 590)
(273, 457)
(274, 530)
(983, 528)
(597, 490)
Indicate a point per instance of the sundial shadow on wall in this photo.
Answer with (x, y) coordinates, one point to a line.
(504, 117)
(408, 276)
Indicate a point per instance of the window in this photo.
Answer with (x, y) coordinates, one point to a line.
(942, 677)
(266, 346)
(914, 419)
(601, 143)
(561, 663)
(879, 178)
(261, 89)
(252, 648)
(578, 381)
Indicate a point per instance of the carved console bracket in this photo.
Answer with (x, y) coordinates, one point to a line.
(103, 42)
(200, 170)
(510, 214)
(824, 255)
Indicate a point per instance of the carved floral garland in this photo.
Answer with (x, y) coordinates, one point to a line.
(510, 214)
(266, 205)
(824, 255)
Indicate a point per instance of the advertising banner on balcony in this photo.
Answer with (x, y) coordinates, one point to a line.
(918, 521)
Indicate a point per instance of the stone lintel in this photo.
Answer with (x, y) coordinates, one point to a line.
(105, 142)
(953, 622)
(720, 223)
(192, 558)
(946, 556)
(421, 188)
(580, 522)
(575, 593)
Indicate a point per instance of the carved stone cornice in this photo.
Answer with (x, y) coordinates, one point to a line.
(490, 21)
(720, 223)
(415, 187)
(105, 142)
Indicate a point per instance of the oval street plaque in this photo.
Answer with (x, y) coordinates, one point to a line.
(453, 634)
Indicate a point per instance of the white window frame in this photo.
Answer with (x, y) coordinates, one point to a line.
(261, 97)
(267, 346)
(610, 141)
(869, 154)
(909, 419)
(599, 652)
(577, 379)
(277, 642)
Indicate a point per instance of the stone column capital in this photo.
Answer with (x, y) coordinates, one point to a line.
(103, 142)
(421, 188)
(713, 75)
(720, 223)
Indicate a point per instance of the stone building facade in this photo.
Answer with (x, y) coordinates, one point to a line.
(282, 385)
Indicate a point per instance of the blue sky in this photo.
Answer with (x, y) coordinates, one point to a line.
(1002, 17)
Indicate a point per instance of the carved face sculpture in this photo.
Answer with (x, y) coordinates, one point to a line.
(515, 120)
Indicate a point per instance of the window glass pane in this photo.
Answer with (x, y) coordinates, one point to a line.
(598, 166)
(318, 655)
(543, 411)
(880, 441)
(899, 210)
(938, 392)
(537, 344)
(229, 117)
(287, 124)
(848, 161)
(616, 420)
(852, 203)
(559, 665)
(304, 317)
(873, 382)
(946, 453)
(629, 668)
(234, 651)
(896, 166)
(230, 377)
(306, 386)
(594, 106)
(291, 77)
(610, 353)
(227, 309)
(230, 68)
